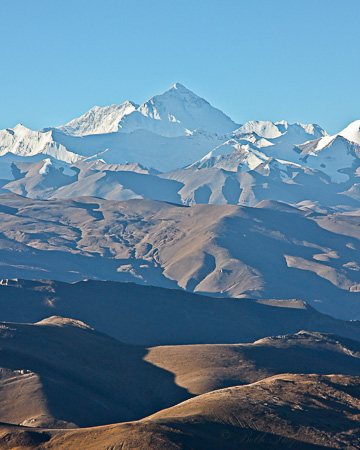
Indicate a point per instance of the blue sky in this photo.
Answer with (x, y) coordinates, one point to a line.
(297, 60)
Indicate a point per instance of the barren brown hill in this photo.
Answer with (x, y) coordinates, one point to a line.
(61, 373)
(204, 368)
(285, 411)
(149, 316)
(269, 251)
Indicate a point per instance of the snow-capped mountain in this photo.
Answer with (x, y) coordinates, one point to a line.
(99, 120)
(337, 155)
(350, 133)
(205, 157)
(234, 155)
(22, 141)
(304, 145)
(177, 112)
(335, 159)
(272, 130)
(255, 142)
(168, 131)
(140, 146)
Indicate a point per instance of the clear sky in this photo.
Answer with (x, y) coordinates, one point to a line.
(297, 60)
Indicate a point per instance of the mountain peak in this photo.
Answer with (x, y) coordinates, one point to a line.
(177, 112)
(352, 132)
(20, 126)
(180, 87)
(181, 91)
(63, 322)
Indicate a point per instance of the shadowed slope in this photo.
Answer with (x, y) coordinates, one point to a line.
(61, 373)
(148, 315)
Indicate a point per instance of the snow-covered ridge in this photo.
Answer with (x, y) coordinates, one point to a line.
(262, 128)
(99, 120)
(257, 141)
(179, 129)
(22, 141)
(335, 155)
(351, 133)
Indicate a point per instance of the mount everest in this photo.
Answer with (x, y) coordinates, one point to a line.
(176, 147)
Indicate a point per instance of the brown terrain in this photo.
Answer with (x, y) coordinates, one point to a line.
(204, 368)
(218, 250)
(60, 374)
(91, 364)
(284, 411)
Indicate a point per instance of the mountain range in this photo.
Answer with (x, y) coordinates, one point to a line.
(170, 278)
(105, 195)
(127, 151)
